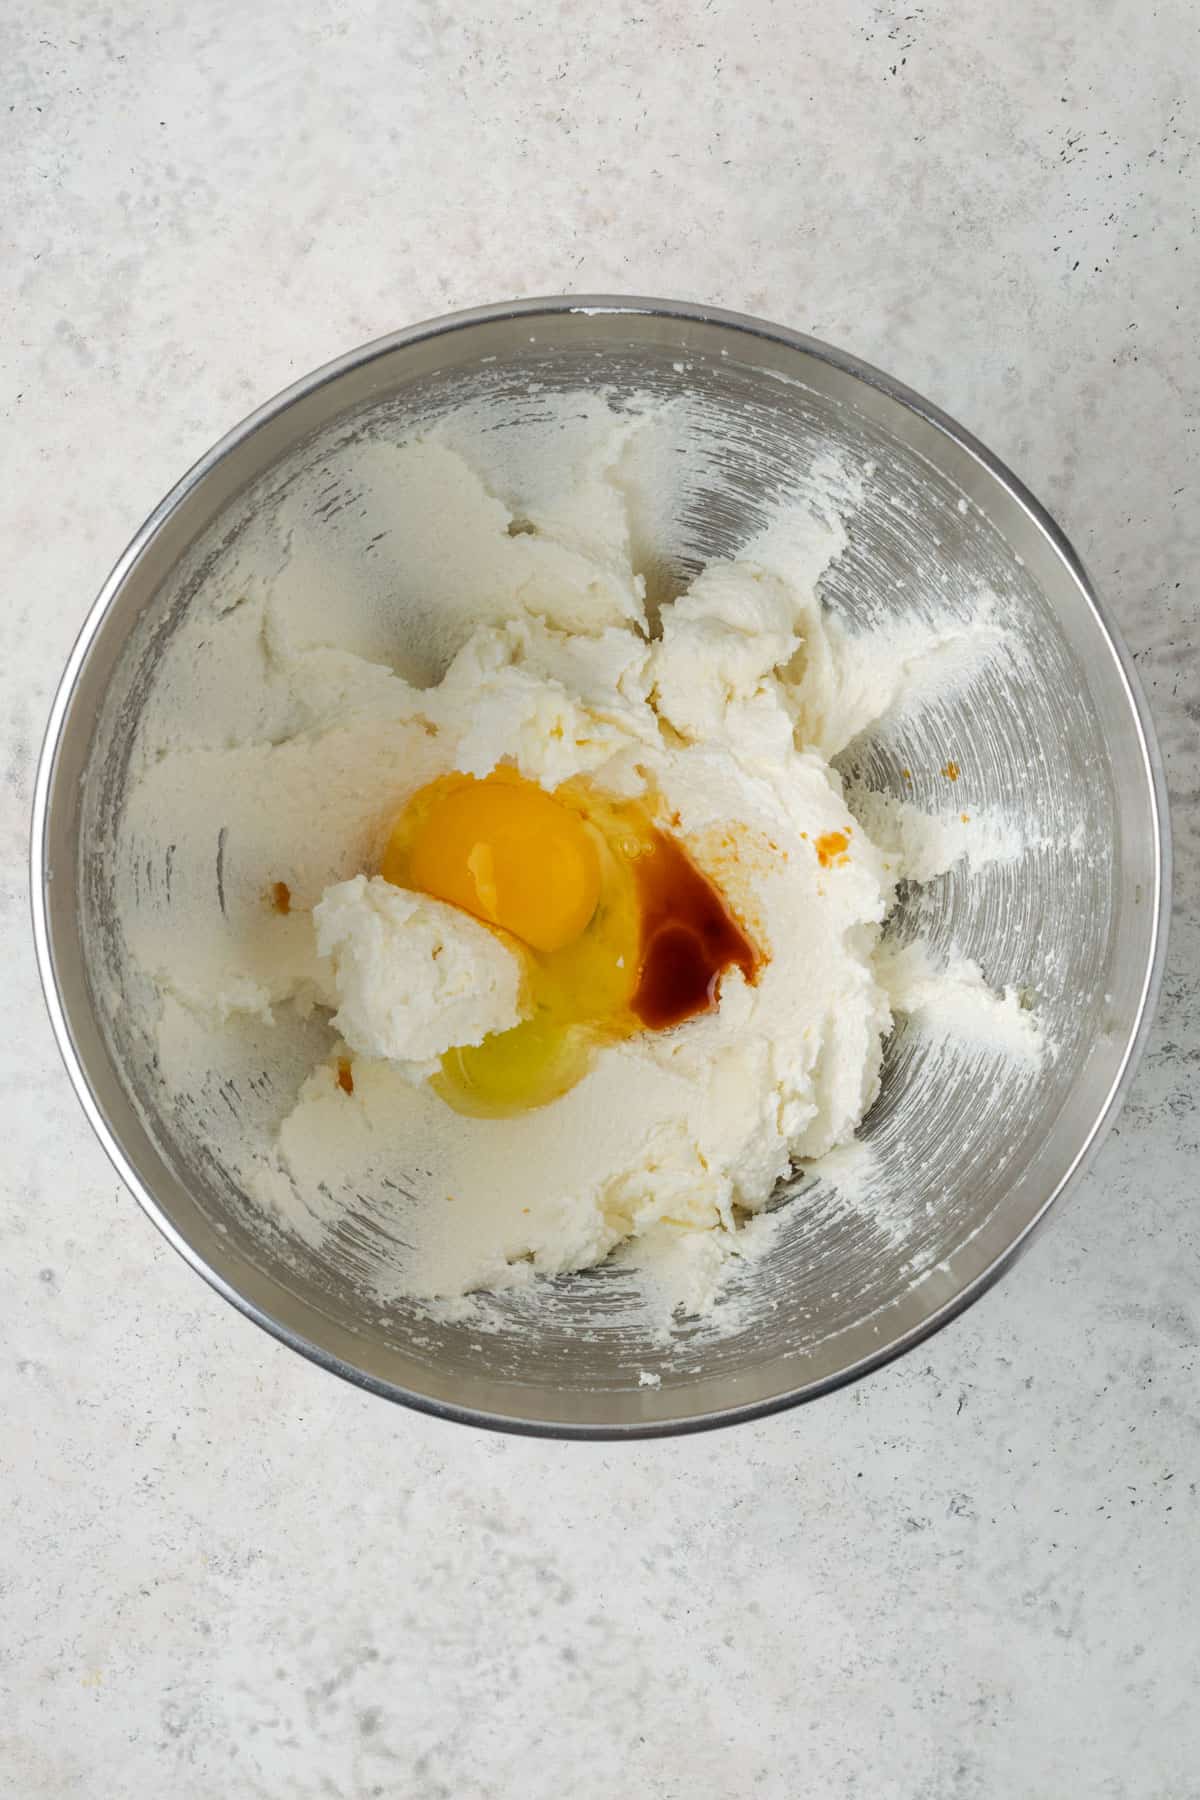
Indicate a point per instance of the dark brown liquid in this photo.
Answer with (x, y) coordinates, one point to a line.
(689, 938)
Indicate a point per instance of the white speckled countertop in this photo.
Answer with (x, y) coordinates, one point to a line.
(222, 1572)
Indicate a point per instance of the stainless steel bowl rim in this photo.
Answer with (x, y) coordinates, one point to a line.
(531, 309)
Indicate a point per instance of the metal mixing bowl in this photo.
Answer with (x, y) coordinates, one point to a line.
(1077, 922)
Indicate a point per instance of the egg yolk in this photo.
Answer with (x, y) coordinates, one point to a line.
(620, 932)
(504, 850)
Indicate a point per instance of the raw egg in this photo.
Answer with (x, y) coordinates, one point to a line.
(619, 930)
(506, 851)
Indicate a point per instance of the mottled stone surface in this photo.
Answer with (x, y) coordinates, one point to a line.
(222, 1573)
